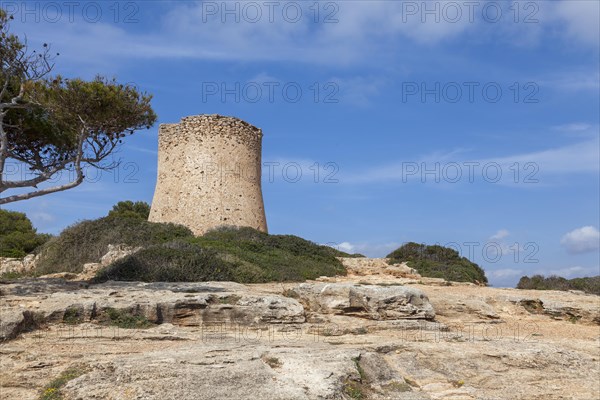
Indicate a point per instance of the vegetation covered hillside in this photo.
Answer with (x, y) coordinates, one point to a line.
(172, 253)
(438, 262)
(539, 282)
(229, 254)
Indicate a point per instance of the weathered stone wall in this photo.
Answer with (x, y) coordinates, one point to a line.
(209, 174)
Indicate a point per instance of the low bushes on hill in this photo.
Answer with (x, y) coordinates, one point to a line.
(237, 254)
(172, 253)
(170, 262)
(278, 257)
(438, 262)
(87, 241)
(539, 282)
(18, 237)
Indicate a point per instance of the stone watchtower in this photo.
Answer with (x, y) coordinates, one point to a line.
(209, 174)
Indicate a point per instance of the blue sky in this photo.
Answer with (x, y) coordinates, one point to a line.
(470, 124)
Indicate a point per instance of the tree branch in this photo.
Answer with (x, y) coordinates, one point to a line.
(42, 192)
(59, 188)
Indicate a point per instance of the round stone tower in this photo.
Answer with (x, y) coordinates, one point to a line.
(209, 174)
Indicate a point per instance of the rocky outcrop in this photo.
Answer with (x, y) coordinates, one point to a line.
(18, 265)
(560, 310)
(362, 266)
(467, 309)
(192, 304)
(366, 301)
(319, 340)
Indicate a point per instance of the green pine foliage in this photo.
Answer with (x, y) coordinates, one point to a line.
(18, 237)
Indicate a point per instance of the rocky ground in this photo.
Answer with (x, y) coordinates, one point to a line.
(382, 332)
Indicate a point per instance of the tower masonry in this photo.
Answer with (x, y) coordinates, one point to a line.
(209, 174)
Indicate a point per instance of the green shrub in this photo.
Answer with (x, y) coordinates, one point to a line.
(539, 282)
(129, 209)
(125, 319)
(171, 262)
(438, 262)
(87, 241)
(18, 237)
(263, 258)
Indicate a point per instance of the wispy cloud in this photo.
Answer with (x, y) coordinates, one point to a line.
(505, 273)
(366, 248)
(501, 234)
(579, 19)
(572, 80)
(142, 150)
(574, 127)
(571, 272)
(357, 32)
(359, 90)
(582, 240)
(580, 157)
(574, 158)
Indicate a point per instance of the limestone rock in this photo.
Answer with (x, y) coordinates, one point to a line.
(18, 265)
(228, 341)
(116, 252)
(362, 266)
(192, 304)
(367, 301)
(470, 309)
(561, 310)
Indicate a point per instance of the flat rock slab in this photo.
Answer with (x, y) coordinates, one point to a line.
(486, 343)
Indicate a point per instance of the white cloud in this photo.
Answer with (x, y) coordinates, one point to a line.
(364, 29)
(579, 18)
(367, 249)
(567, 272)
(501, 234)
(581, 240)
(345, 246)
(41, 217)
(580, 157)
(505, 273)
(142, 149)
(575, 80)
(574, 127)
